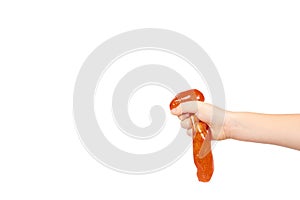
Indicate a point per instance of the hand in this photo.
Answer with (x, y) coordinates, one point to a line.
(278, 129)
(215, 118)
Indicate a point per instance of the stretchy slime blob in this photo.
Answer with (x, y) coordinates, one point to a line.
(203, 157)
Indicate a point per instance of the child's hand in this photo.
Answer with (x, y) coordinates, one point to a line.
(215, 118)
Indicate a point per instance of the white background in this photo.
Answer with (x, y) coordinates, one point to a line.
(255, 46)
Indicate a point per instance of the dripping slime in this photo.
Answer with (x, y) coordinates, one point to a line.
(202, 154)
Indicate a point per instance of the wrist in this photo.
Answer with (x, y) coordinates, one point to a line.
(230, 124)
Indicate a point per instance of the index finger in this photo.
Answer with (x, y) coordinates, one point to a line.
(187, 107)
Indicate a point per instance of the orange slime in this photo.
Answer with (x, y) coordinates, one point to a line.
(203, 157)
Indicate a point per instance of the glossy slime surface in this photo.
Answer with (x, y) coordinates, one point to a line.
(203, 157)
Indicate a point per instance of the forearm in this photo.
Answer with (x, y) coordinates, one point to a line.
(283, 130)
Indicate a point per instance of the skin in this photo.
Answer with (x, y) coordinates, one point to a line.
(277, 129)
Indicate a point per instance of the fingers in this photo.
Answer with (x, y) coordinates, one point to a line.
(186, 123)
(189, 132)
(184, 116)
(203, 110)
(187, 107)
